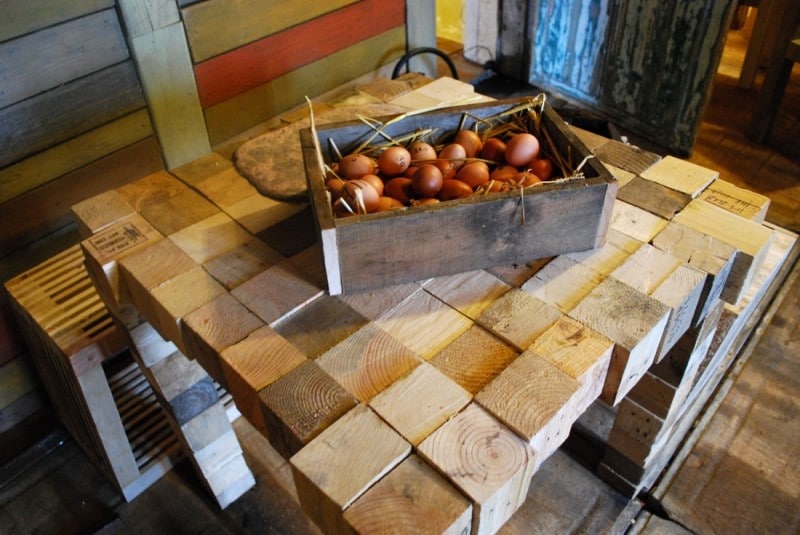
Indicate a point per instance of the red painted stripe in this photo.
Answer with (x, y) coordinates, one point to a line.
(230, 74)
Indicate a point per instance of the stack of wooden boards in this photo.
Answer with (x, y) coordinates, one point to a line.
(433, 403)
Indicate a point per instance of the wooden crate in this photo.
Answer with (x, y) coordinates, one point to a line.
(382, 249)
(96, 388)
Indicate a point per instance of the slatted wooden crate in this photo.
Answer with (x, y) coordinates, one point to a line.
(96, 388)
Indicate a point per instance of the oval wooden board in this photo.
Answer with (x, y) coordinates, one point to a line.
(273, 161)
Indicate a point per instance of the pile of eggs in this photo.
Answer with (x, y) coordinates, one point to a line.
(417, 175)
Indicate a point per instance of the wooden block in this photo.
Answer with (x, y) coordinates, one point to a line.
(634, 431)
(635, 222)
(293, 234)
(257, 213)
(217, 179)
(373, 304)
(634, 322)
(581, 353)
(750, 239)
(740, 201)
(412, 495)
(331, 472)
(611, 255)
(563, 282)
(310, 263)
(625, 156)
(680, 175)
(469, 293)
(175, 213)
(518, 318)
(206, 428)
(368, 362)
(424, 324)
(151, 189)
(515, 275)
(653, 197)
(474, 358)
(150, 345)
(184, 385)
(589, 138)
(681, 292)
(253, 364)
(276, 292)
(98, 212)
(418, 404)
(230, 480)
(142, 17)
(242, 263)
(194, 239)
(708, 254)
(541, 409)
(300, 405)
(210, 329)
(486, 461)
(320, 325)
(622, 176)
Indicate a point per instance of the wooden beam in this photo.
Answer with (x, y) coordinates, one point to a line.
(142, 17)
(470, 293)
(519, 318)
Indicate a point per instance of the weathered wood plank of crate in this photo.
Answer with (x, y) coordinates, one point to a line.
(412, 495)
(483, 458)
(746, 203)
(331, 471)
(627, 157)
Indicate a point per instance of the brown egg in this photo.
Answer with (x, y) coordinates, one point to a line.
(470, 140)
(504, 173)
(454, 189)
(335, 185)
(356, 165)
(455, 153)
(493, 149)
(521, 149)
(474, 173)
(388, 203)
(394, 161)
(447, 168)
(360, 189)
(423, 202)
(376, 182)
(420, 150)
(399, 188)
(542, 167)
(427, 181)
(525, 179)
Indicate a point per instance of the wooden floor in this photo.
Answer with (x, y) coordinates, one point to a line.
(742, 474)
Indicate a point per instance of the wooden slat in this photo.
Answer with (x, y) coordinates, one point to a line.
(25, 16)
(145, 16)
(59, 160)
(73, 108)
(217, 26)
(255, 64)
(49, 58)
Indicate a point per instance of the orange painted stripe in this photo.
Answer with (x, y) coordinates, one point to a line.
(230, 74)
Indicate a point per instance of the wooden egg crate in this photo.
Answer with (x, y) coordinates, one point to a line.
(381, 249)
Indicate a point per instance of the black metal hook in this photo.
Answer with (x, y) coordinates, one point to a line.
(424, 50)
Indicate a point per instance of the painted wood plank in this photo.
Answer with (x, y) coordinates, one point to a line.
(146, 16)
(165, 68)
(21, 226)
(51, 57)
(244, 68)
(59, 160)
(73, 108)
(483, 458)
(245, 21)
(25, 16)
(236, 115)
(331, 472)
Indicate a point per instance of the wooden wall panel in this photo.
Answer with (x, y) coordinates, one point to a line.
(25, 16)
(50, 57)
(252, 65)
(217, 26)
(72, 109)
(237, 114)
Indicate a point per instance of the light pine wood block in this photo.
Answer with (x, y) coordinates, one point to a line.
(515, 275)
(211, 237)
(206, 428)
(179, 211)
(680, 175)
(368, 362)
(635, 222)
(96, 213)
(418, 404)
(635, 323)
(373, 304)
(634, 431)
(257, 212)
(310, 263)
(225, 470)
(474, 358)
(300, 405)
(276, 292)
(152, 189)
(581, 353)
(225, 188)
(210, 329)
(518, 318)
(681, 292)
(332, 471)
(253, 364)
(750, 239)
(563, 283)
(713, 257)
(622, 176)
(740, 201)
(424, 324)
(242, 263)
(196, 172)
(483, 458)
(150, 345)
(541, 409)
(320, 325)
(413, 495)
(646, 269)
(103, 251)
(470, 293)
(611, 255)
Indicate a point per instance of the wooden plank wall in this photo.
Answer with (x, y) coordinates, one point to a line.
(268, 54)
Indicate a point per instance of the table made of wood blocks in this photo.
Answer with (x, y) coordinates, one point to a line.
(456, 387)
